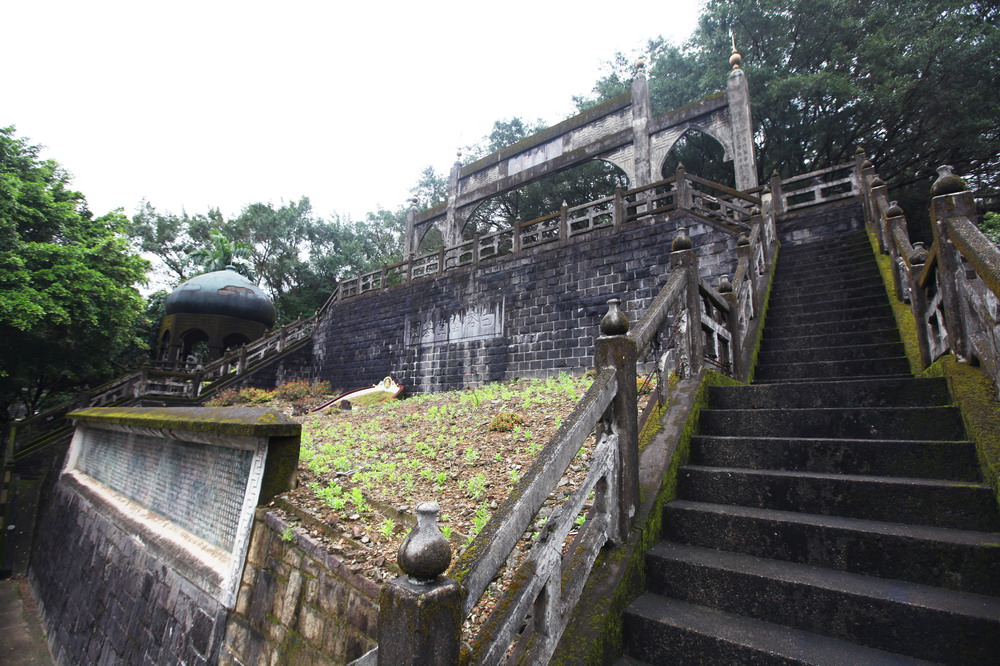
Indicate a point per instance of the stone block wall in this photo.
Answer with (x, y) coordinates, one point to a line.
(107, 598)
(298, 604)
(530, 314)
(293, 366)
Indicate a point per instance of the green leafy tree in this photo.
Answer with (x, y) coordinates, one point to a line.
(913, 81)
(172, 239)
(221, 252)
(67, 282)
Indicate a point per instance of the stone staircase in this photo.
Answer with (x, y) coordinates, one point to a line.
(831, 512)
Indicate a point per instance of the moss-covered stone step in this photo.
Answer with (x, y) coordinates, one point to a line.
(907, 618)
(828, 293)
(774, 331)
(828, 338)
(962, 560)
(954, 461)
(927, 423)
(960, 505)
(829, 278)
(842, 353)
(902, 392)
(865, 299)
(845, 265)
(846, 313)
(861, 367)
(660, 630)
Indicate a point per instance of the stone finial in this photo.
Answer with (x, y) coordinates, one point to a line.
(755, 210)
(947, 182)
(735, 59)
(877, 182)
(867, 164)
(725, 286)
(894, 210)
(742, 241)
(681, 241)
(920, 253)
(859, 151)
(766, 190)
(414, 201)
(425, 554)
(614, 322)
(458, 156)
(640, 65)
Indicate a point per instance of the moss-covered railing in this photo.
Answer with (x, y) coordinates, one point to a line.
(688, 326)
(948, 300)
(953, 288)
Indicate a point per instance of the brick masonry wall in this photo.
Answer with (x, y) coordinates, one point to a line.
(107, 599)
(295, 365)
(298, 604)
(549, 299)
(829, 220)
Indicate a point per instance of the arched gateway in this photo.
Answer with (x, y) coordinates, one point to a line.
(621, 131)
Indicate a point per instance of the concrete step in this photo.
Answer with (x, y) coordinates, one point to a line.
(924, 423)
(774, 332)
(869, 299)
(845, 353)
(862, 367)
(832, 338)
(962, 560)
(825, 280)
(781, 297)
(847, 313)
(916, 620)
(954, 461)
(660, 630)
(908, 392)
(959, 505)
(840, 266)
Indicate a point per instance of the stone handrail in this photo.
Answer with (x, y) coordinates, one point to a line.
(953, 288)
(687, 326)
(722, 206)
(818, 187)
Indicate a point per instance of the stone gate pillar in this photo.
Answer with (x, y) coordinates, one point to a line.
(452, 231)
(741, 122)
(640, 127)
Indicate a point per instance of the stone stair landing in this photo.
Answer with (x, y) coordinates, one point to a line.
(833, 511)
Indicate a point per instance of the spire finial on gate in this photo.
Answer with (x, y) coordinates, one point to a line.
(736, 58)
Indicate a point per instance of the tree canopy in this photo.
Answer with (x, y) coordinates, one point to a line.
(68, 280)
(915, 82)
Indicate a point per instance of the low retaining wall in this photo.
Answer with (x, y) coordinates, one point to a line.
(140, 551)
(298, 604)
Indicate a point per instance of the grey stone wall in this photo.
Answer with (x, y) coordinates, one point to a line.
(812, 223)
(106, 598)
(298, 604)
(295, 365)
(529, 314)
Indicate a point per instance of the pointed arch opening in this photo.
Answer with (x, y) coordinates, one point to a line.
(578, 185)
(702, 155)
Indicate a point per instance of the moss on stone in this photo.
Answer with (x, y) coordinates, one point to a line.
(900, 311)
(763, 318)
(598, 638)
(974, 395)
(239, 421)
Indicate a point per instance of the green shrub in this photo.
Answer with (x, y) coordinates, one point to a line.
(506, 421)
(301, 390)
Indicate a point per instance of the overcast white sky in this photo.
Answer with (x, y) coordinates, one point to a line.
(220, 104)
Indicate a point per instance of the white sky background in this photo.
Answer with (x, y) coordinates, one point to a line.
(192, 105)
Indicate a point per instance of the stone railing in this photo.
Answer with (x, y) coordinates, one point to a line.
(953, 288)
(717, 204)
(816, 187)
(175, 379)
(421, 615)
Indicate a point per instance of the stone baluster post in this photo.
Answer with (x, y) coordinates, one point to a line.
(894, 218)
(564, 220)
(733, 325)
(682, 189)
(777, 196)
(241, 363)
(683, 258)
(410, 242)
(420, 614)
(950, 200)
(615, 349)
(475, 248)
(441, 258)
(517, 235)
(918, 301)
(619, 213)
